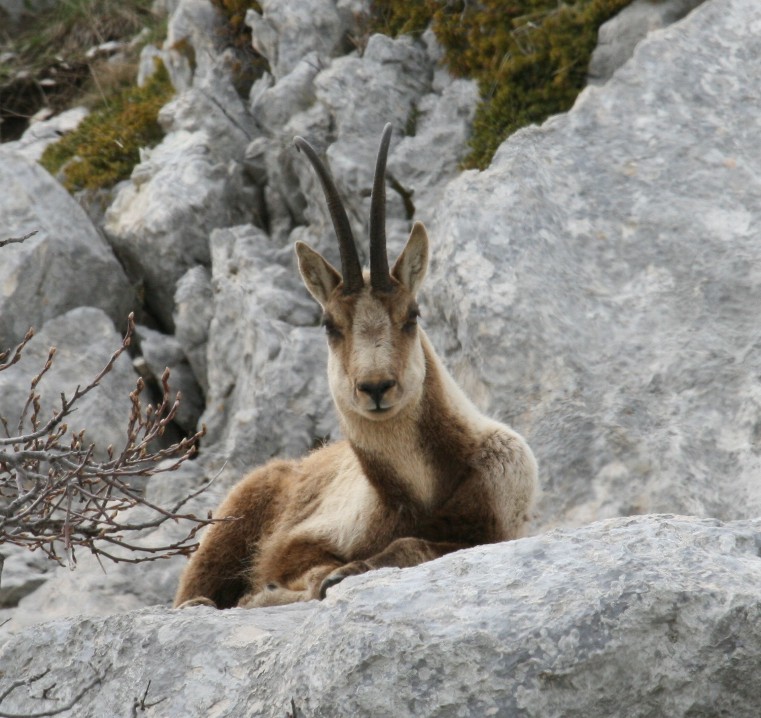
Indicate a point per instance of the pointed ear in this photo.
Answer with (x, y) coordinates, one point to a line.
(412, 264)
(320, 277)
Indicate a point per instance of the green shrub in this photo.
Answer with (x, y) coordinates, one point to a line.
(105, 147)
(530, 57)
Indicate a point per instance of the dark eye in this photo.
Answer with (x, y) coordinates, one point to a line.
(412, 318)
(331, 329)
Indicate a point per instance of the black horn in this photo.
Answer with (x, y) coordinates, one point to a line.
(351, 269)
(380, 279)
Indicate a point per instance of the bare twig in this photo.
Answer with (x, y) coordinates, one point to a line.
(57, 495)
(16, 352)
(14, 240)
(139, 704)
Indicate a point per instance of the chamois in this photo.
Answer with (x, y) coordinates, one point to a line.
(421, 471)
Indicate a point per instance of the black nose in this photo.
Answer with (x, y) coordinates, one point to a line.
(376, 389)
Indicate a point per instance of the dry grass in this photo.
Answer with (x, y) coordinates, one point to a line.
(49, 67)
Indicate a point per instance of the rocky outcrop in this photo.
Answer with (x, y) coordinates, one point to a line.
(656, 615)
(160, 221)
(45, 132)
(597, 282)
(268, 393)
(66, 264)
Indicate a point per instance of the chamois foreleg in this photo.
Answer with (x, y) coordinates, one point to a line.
(289, 569)
(218, 573)
(401, 553)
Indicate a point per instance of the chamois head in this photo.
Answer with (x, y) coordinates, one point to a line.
(376, 364)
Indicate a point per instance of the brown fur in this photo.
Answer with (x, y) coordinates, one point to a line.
(420, 474)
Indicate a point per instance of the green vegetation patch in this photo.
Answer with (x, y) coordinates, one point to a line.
(106, 145)
(530, 57)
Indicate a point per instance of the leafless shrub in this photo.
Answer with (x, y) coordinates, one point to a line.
(57, 495)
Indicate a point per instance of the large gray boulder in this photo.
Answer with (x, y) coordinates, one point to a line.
(67, 264)
(598, 285)
(160, 221)
(646, 616)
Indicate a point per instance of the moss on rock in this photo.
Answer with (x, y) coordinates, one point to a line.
(106, 146)
(530, 57)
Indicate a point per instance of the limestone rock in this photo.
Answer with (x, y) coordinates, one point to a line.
(598, 287)
(163, 351)
(192, 316)
(268, 390)
(42, 133)
(620, 35)
(273, 104)
(66, 264)
(21, 572)
(199, 24)
(160, 221)
(288, 30)
(422, 163)
(192, 182)
(361, 94)
(657, 614)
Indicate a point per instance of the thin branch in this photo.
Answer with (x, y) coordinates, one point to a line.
(57, 496)
(14, 240)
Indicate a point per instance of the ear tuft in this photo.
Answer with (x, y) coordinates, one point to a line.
(412, 264)
(319, 276)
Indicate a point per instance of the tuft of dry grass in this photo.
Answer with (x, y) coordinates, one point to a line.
(48, 66)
